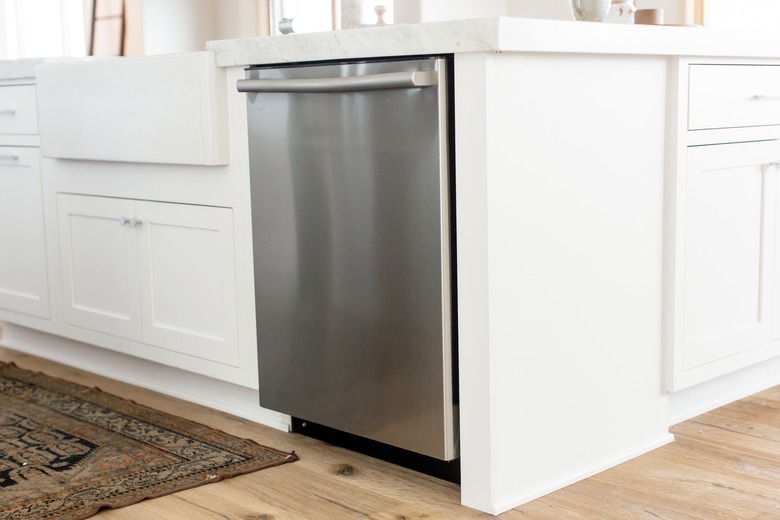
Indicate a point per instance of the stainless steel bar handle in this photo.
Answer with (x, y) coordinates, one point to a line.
(8, 111)
(390, 80)
(765, 97)
(9, 157)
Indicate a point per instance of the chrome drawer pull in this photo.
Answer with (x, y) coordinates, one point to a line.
(9, 111)
(9, 157)
(765, 97)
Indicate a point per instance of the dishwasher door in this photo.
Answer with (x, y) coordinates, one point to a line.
(351, 233)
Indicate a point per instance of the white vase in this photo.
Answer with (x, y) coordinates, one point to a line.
(590, 10)
(351, 13)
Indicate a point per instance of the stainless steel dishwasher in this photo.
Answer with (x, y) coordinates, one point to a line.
(351, 222)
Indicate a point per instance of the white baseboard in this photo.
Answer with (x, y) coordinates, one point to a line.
(702, 398)
(610, 462)
(213, 393)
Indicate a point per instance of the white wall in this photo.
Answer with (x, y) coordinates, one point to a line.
(414, 11)
(238, 18)
(554, 9)
(172, 26)
(674, 10)
(35, 28)
(411, 11)
(455, 9)
(761, 15)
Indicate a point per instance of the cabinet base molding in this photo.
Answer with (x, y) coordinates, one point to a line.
(219, 395)
(707, 396)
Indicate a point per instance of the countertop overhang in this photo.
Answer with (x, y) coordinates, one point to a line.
(496, 34)
(24, 68)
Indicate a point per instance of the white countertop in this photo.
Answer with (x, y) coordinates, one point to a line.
(25, 68)
(18, 69)
(497, 34)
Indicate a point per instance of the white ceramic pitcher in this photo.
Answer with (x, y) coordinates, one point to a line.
(590, 10)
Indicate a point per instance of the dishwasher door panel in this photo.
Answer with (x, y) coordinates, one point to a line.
(352, 257)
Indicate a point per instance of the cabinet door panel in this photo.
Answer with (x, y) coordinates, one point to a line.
(100, 264)
(23, 274)
(188, 280)
(729, 241)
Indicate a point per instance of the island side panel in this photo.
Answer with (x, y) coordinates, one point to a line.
(561, 179)
(473, 103)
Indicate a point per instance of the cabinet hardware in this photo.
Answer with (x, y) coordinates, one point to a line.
(765, 97)
(8, 111)
(132, 222)
(767, 166)
(9, 157)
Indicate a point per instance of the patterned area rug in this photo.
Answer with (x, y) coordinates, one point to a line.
(67, 450)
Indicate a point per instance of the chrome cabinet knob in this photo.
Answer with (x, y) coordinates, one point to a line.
(132, 222)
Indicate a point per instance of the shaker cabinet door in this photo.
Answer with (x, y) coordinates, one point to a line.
(23, 273)
(726, 257)
(188, 288)
(158, 273)
(99, 255)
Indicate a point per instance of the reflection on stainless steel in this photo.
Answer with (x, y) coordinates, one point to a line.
(351, 246)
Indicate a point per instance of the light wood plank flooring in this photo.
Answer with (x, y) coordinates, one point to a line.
(724, 465)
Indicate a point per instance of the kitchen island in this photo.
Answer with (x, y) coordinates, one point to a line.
(580, 319)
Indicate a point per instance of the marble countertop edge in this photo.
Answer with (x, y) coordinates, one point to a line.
(496, 34)
(24, 68)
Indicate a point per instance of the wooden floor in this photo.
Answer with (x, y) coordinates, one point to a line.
(723, 465)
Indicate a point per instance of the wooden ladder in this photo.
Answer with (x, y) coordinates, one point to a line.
(107, 35)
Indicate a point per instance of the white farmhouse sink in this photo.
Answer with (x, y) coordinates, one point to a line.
(158, 109)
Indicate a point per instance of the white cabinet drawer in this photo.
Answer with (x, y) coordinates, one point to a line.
(17, 110)
(729, 96)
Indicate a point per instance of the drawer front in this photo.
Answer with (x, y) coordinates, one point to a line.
(729, 96)
(18, 114)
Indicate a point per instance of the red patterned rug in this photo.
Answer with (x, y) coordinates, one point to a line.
(67, 450)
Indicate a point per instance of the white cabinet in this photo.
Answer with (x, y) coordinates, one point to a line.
(18, 110)
(731, 96)
(729, 223)
(99, 265)
(724, 276)
(23, 274)
(157, 273)
(24, 281)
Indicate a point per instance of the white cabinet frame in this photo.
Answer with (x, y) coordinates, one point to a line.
(728, 324)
